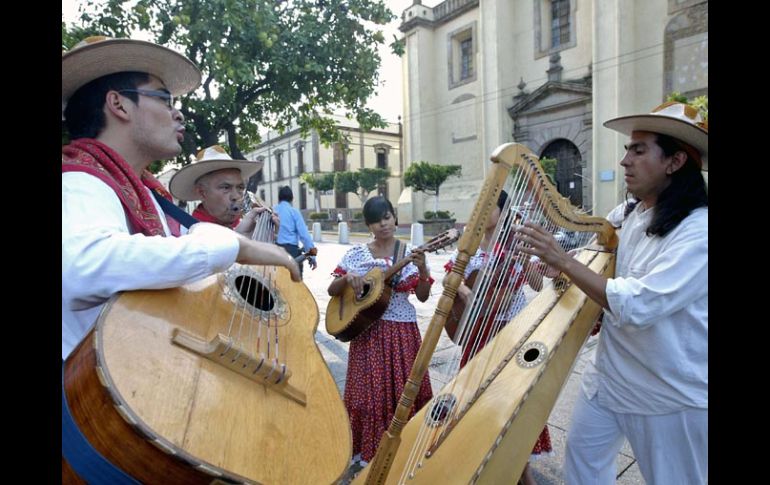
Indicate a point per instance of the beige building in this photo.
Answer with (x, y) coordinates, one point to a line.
(288, 155)
(545, 73)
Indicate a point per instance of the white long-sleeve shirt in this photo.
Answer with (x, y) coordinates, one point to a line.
(652, 356)
(101, 257)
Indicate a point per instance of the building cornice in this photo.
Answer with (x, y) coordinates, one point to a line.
(441, 14)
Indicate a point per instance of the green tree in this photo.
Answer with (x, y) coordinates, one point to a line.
(362, 182)
(265, 63)
(319, 182)
(370, 179)
(428, 178)
(549, 167)
(346, 182)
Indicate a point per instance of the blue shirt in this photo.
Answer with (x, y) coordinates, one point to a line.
(292, 228)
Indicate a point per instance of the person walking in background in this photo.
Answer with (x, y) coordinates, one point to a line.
(293, 228)
(381, 357)
(648, 381)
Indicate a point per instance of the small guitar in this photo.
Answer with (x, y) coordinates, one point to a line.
(349, 315)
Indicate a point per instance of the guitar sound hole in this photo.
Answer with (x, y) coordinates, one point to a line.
(255, 293)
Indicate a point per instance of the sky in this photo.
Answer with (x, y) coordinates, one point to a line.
(388, 101)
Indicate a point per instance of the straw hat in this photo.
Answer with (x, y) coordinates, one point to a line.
(679, 120)
(211, 159)
(99, 56)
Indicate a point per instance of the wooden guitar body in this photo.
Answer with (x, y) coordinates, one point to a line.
(148, 399)
(348, 315)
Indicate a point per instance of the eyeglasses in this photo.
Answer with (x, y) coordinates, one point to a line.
(167, 97)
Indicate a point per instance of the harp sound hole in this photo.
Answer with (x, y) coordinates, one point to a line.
(255, 293)
(531, 355)
(441, 410)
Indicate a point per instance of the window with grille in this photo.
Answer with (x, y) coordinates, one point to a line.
(554, 25)
(466, 59)
(461, 54)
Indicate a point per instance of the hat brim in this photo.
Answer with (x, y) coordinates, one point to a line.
(697, 137)
(84, 64)
(182, 184)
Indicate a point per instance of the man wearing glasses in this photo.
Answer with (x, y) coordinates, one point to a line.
(118, 105)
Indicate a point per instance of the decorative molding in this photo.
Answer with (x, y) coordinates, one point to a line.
(463, 97)
(581, 88)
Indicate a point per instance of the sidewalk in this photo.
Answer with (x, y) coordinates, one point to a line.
(547, 470)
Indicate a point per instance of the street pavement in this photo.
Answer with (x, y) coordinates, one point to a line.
(546, 469)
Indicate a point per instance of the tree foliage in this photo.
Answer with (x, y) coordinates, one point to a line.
(319, 182)
(346, 182)
(362, 182)
(428, 177)
(265, 63)
(370, 179)
(549, 167)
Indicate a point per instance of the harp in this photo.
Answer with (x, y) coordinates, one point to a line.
(481, 426)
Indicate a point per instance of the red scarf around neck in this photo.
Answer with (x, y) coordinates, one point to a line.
(95, 158)
(203, 215)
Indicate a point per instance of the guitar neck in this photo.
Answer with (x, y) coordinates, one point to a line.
(444, 239)
(395, 268)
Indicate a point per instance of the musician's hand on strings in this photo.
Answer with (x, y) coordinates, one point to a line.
(547, 271)
(356, 283)
(258, 252)
(276, 221)
(535, 240)
(417, 257)
(249, 221)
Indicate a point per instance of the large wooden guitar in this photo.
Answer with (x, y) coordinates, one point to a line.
(219, 381)
(348, 315)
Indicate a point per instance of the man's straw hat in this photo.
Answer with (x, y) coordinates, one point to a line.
(211, 159)
(99, 56)
(675, 119)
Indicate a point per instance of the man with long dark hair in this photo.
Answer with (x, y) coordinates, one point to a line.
(649, 378)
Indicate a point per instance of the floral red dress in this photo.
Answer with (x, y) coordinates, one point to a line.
(380, 359)
(476, 262)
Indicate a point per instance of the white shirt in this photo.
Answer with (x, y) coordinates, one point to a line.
(652, 356)
(100, 257)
